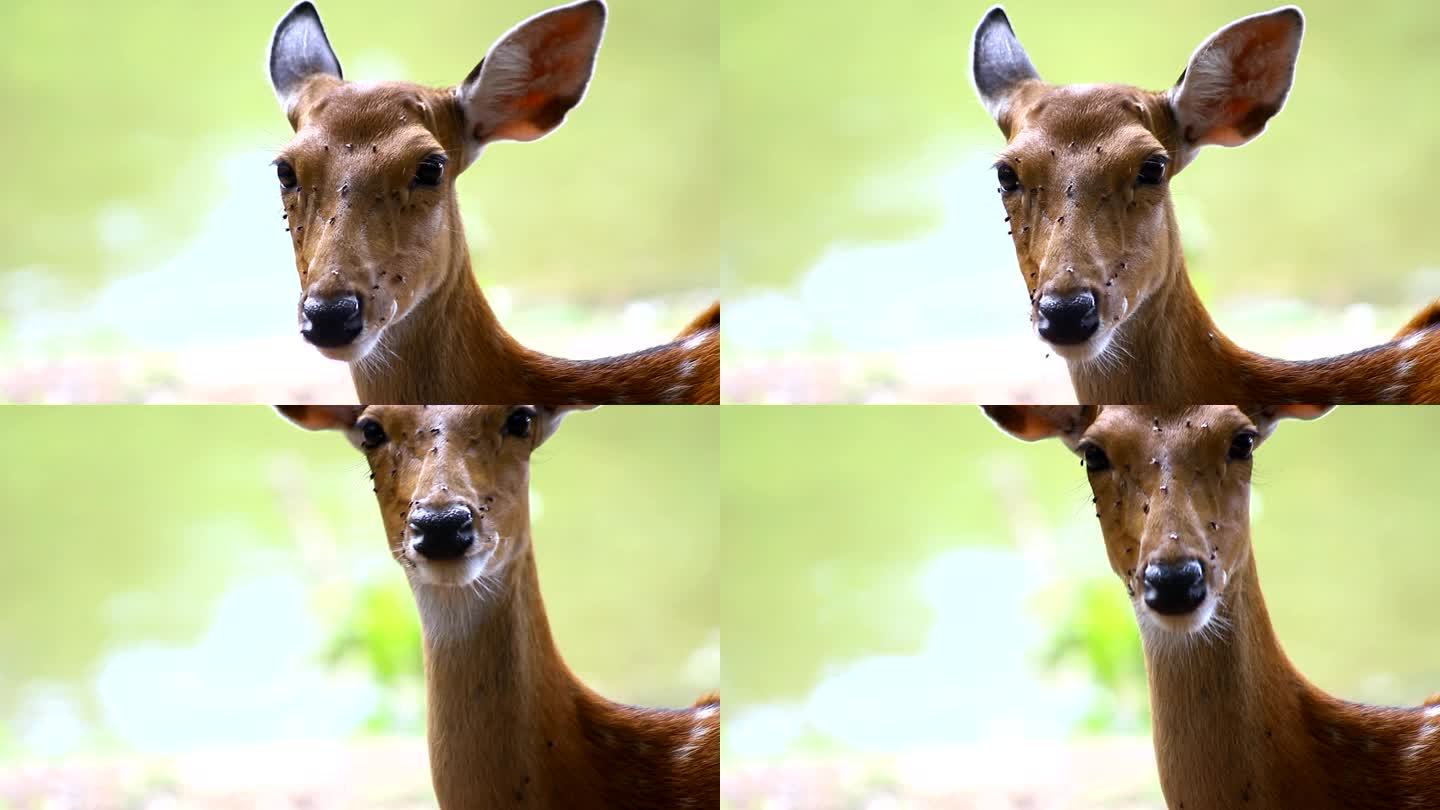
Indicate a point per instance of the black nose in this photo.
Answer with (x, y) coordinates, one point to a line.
(442, 534)
(331, 322)
(1174, 588)
(1067, 320)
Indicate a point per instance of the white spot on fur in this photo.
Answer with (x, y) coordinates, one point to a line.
(675, 393)
(1393, 393)
(1411, 342)
(698, 734)
(696, 342)
(686, 369)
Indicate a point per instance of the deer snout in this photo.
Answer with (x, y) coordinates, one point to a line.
(331, 321)
(444, 533)
(1068, 319)
(1174, 587)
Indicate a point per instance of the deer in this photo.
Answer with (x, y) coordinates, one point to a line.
(508, 723)
(368, 189)
(1234, 723)
(1084, 179)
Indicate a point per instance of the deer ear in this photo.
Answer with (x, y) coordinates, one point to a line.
(552, 415)
(299, 50)
(532, 76)
(321, 417)
(1266, 417)
(998, 64)
(1237, 80)
(1035, 422)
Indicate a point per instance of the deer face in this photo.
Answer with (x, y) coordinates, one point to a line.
(369, 198)
(1171, 490)
(1084, 176)
(367, 183)
(452, 482)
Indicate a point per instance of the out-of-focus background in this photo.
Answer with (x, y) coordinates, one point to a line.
(198, 610)
(142, 256)
(918, 611)
(869, 260)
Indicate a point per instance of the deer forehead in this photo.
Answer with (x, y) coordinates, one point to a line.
(1162, 438)
(1089, 115)
(368, 113)
(438, 420)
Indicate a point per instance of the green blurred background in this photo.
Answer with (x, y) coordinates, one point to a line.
(201, 597)
(918, 610)
(869, 261)
(138, 184)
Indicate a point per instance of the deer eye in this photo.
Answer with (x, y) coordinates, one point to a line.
(518, 423)
(1242, 446)
(1009, 180)
(1095, 458)
(372, 435)
(1152, 171)
(285, 173)
(430, 171)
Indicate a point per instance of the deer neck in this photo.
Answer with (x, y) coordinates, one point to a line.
(450, 348)
(1213, 701)
(1236, 725)
(1170, 351)
(504, 713)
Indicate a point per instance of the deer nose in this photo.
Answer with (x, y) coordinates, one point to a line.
(442, 534)
(331, 322)
(1068, 319)
(1174, 588)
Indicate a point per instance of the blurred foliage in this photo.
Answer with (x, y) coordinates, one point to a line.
(1098, 636)
(172, 515)
(172, 86)
(380, 634)
(857, 100)
(827, 542)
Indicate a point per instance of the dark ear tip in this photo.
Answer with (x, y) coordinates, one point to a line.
(996, 14)
(596, 7)
(304, 8)
(1007, 416)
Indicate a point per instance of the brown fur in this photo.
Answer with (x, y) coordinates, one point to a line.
(509, 724)
(1080, 221)
(1235, 725)
(358, 224)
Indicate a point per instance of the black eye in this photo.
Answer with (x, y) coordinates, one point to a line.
(1095, 458)
(1152, 171)
(1242, 446)
(430, 170)
(1009, 180)
(285, 173)
(518, 423)
(372, 435)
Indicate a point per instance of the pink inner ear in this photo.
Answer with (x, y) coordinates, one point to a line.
(1257, 58)
(560, 50)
